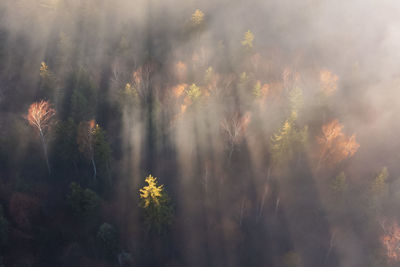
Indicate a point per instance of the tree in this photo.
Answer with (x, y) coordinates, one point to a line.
(257, 90)
(379, 189)
(44, 71)
(197, 17)
(158, 211)
(248, 39)
(108, 239)
(328, 82)
(296, 99)
(288, 141)
(39, 116)
(3, 228)
(85, 142)
(65, 145)
(235, 128)
(82, 201)
(391, 241)
(129, 96)
(83, 98)
(339, 186)
(141, 80)
(92, 143)
(193, 93)
(335, 146)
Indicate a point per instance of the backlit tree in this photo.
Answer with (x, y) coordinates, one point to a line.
(234, 128)
(197, 17)
(156, 204)
(39, 116)
(248, 39)
(335, 146)
(391, 241)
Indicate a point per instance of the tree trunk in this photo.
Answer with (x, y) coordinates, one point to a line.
(45, 151)
(94, 169)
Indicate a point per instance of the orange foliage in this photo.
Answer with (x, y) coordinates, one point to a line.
(179, 89)
(391, 241)
(275, 90)
(330, 132)
(328, 82)
(40, 114)
(183, 108)
(264, 91)
(335, 145)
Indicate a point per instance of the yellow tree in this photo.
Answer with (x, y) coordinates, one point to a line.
(39, 116)
(248, 39)
(288, 141)
(158, 211)
(197, 17)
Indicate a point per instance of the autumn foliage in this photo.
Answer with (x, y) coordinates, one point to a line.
(391, 241)
(40, 114)
(335, 146)
(328, 82)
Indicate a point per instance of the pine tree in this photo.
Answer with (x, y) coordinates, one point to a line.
(156, 204)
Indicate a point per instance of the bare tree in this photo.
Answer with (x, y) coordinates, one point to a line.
(141, 80)
(234, 128)
(39, 116)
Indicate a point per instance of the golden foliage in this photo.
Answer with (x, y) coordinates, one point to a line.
(44, 70)
(328, 82)
(40, 114)
(248, 39)
(193, 93)
(257, 89)
(288, 141)
(197, 17)
(151, 193)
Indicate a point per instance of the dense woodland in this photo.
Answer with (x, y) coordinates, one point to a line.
(185, 133)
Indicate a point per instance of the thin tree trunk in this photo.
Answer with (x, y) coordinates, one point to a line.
(45, 151)
(94, 168)
(331, 244)
(277, 205)
(241, 212)
(232, 147)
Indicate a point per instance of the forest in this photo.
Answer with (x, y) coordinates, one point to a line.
(199, 133)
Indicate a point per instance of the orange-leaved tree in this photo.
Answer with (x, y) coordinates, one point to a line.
(39, 116)
(391, 241)
(335, 146)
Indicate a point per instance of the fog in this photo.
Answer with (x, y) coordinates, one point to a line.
(272, 126)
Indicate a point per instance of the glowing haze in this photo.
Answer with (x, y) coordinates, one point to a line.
(273, 125)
